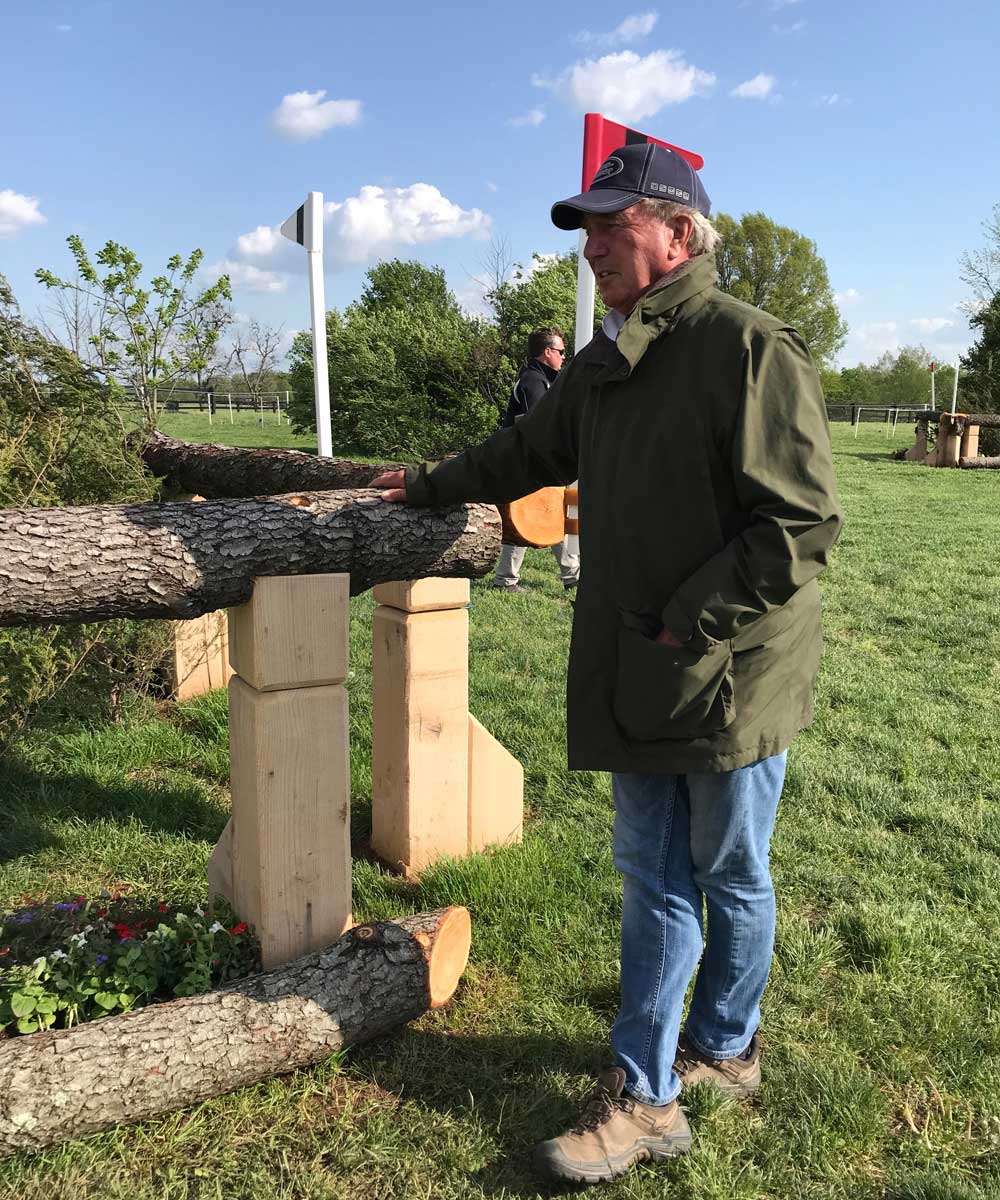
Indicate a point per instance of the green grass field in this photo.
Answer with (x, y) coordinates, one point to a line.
(882, 1018)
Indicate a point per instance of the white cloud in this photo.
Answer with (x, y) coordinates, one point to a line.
(779, 4)
(491, 186)
(63, 28)
(246, 277)
(534, 116)
(850, 296)
(758, 88)
(304, 115)
(632, 29)
(262, 242)
(795, 27)
(368, 226)
(17, 211)
(831, 101)
(627, 87)
(930, 325)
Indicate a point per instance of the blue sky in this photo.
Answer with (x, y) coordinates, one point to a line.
(870, 127)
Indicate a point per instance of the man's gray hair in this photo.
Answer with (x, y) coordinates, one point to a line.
(704, 236)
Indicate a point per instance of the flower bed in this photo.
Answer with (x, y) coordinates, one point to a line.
(73, 960)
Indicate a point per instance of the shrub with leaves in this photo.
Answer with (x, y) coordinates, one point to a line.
(62, 442)
(74, 960)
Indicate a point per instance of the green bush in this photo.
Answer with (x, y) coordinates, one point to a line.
(62, 442)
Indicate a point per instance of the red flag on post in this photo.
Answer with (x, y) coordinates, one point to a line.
(601, 136)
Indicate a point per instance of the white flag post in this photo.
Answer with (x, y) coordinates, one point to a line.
(954, 390)
(305, 227)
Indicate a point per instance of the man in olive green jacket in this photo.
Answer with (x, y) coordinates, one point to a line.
(697, 429)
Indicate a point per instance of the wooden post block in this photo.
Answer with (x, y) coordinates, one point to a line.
(200, 656)
(292, 633)
(291, 853)
(496, 791)
(918, 451)
(948, 444)
(423, 595)
(420, 757)
(970, 442)
(220, 866)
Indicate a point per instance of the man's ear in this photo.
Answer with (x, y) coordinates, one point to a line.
(683, 227)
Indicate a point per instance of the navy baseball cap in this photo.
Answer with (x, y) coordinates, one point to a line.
(630, 174)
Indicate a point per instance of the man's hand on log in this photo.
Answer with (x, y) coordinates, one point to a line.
(393, 480)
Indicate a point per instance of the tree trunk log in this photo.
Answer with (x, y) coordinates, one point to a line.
(221, 472)
(218, 472)
(980, 464)
(983, 420)
(70, 1082)
(182, 560)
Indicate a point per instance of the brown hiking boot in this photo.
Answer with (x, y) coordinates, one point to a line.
(734, 1076)
(613, 1133)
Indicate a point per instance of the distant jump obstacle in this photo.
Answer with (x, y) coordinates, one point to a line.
(957, 443)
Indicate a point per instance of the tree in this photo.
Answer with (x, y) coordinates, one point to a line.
(406, 369)
(145, 338)
(980, 376)
(780, 270)
(62, 442)
(980, 270)
(255, 349)
(523, 299)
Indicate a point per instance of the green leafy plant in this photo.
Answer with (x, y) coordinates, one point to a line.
(75, 960)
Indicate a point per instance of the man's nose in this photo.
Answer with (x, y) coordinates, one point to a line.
(594, 247)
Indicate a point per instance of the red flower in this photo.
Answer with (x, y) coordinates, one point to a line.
(102, 912)
(240, 928)
(163, 908)
(5, 950)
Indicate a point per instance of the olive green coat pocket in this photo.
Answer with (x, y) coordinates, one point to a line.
(664, 692)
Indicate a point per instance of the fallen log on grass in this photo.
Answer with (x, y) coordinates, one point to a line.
(181, 560)
(980, 464)
(70, 1082)
(226, 471)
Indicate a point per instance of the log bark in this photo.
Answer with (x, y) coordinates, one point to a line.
(181, 560)
(980, 464)
(218, 472)
(983, 420)
(71, 1082)
(225, 472)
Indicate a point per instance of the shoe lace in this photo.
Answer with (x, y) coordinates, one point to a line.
(600, 1107)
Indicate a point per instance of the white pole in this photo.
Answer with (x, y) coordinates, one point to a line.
(858, 424)
(229, 397)
(317, 302)
(288, 420)
(954, 390)
(933, 401)
(585, 291)
(210, 408)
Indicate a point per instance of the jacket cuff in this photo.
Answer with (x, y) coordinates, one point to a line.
(418, 487)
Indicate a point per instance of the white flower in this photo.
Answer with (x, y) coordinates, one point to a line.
(78, 939)
(88, 929)
(56, 954)
(199, 911)
(216, 927)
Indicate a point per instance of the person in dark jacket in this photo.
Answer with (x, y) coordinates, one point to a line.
(546, 351)
(708, 507)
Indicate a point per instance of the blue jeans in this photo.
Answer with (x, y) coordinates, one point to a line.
(688, 844)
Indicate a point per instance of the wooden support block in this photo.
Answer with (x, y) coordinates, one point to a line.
(970, 442)
(948, 443)
(220, 866)
(291, 852)
(918, 452)
(423, 595)
(200, 656)
(292, 633)
(496, 791)
(420, 757)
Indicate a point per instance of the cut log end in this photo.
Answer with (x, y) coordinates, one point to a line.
(448, 954)
(536, 520)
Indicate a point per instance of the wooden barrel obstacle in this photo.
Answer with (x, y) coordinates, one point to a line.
(957, 443)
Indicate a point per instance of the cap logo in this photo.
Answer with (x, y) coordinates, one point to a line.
(610, 166)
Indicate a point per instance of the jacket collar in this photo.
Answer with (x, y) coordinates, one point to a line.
(663, 306)
(535, 364)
